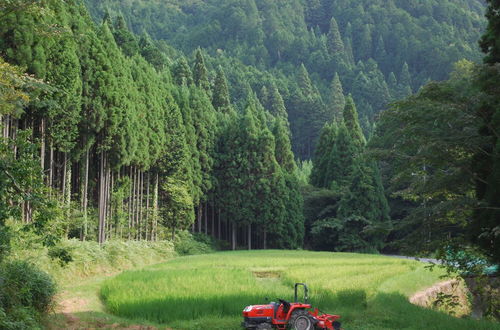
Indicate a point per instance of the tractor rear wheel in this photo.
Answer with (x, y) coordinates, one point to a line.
(300, 320)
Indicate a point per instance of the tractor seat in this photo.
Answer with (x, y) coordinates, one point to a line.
(276, 306)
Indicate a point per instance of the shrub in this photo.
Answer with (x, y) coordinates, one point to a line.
(26, 293)
(189, 244)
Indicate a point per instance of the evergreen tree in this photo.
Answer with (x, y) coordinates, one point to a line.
(283, 150)
(392, 82)
(315, 13)
(363, 212)
(334, 39)
(221, 100)
(277, 105)
(304, 82)
(200, 73)
(352, 123)
(489, 41)
(337, 99)
(322, 156)
(124, 38)
(204, 121)
(364, 43)
(182, 73)
(405, 77)
(342, 155)
(151, 53)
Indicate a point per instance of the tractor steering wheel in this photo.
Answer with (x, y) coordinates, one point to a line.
(286, 305)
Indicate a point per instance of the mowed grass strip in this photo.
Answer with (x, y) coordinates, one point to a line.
(210, 291)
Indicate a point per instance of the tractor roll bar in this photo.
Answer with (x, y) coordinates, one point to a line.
(306, 296)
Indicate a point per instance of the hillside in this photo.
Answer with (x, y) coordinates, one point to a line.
(382, 50)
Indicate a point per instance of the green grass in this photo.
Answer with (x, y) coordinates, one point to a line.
(210, 291)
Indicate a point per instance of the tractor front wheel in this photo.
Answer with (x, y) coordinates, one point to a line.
(300, 320)
(264, 326)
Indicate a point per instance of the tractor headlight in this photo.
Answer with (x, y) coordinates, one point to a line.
(248, 309)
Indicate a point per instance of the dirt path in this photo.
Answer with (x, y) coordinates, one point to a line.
(78, 307)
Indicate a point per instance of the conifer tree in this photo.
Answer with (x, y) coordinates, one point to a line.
(334, 39)
(182, 73)
(352, 123)
(392, 82)
(204, 121)
(364, 43)
(342, 155)
(349, 52)
(322, 156)
(405, 77)
(363, 210)
(304, 82)
(264, 97)
(283, 149)
(151, 53)
(200, 73)
(337, 99)
(221, 101)
(277, 105)
(315, 13)
(489, 41)
(125, 39)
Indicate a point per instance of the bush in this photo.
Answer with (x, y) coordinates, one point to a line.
(189, 244)
(26, 293)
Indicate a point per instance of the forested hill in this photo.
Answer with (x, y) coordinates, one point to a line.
(382, 50)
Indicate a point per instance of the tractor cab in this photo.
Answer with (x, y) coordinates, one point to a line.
(284, 314)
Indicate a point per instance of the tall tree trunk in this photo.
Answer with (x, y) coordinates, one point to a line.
(51, 168)
(106, 195)
(67, 189)
(101, 199)
(85, 194)
(219, 225)
(129, 204)
(249, 239)
(146, 231)
(213, 221)
(5, 126)
(173, 230)
(198, 218)
(110, 205)
(134, 203)
(206, 218)
(233, 236)
(265, 239)
(42, 144)
(64, 173)
(141, 197)
(15, 124)
(154, 234)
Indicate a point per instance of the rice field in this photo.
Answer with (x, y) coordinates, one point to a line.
(210, 291)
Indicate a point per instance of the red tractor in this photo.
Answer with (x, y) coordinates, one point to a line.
(285, 315)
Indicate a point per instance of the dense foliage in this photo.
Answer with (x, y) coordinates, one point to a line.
(132, 144)
(440, 149)
(26, 294)
(378, 51)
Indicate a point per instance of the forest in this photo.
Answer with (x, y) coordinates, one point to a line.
(329, 125)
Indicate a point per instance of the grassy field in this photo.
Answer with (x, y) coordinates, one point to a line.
(210, 291)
